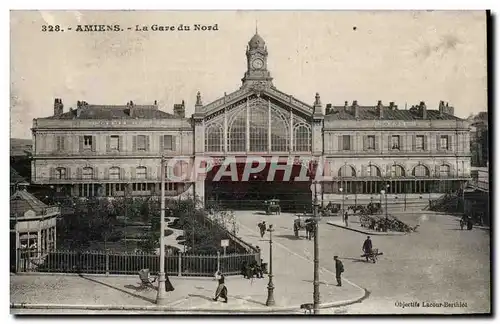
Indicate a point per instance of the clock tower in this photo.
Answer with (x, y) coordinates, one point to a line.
(257, 63)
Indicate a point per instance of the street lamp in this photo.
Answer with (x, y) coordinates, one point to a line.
(342, 192)
(383, 192)
(387, 191)
(161, 298)
(316, 302)
(270, 285)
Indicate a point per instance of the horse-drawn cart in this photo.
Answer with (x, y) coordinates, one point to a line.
(272, 206)
(330, 209)
(372, 256)
(307, 224)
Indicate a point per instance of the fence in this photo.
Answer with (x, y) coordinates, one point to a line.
(482, 185)
(101, 262)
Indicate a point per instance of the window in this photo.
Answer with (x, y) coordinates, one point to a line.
(87, 173)
(280, 133)
(302, 138)
(370, 142)
(443, 142)
(168, 143)
(421, 171)
(346, 142)
(214, 137)
(419, 143)
(141, 142)
(170, 186)
(395, 142)
(237, 133)
(114, 142)
(87, 142)
(444, 171)
(259, 127)
(141, 172)
(397, 171)
(60, 143)
(347, 171)
(60, 173)
(373, 171)
(114, 173)
(139, 187)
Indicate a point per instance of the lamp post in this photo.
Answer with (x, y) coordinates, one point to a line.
(161, 298)
(316, 302)
(386, 192)
(382, 192)
(270, 285)
(342, 192)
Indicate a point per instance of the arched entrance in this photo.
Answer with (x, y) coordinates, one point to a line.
(294, 195)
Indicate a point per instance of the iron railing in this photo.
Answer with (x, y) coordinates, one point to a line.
(102, 262)
(483, 185)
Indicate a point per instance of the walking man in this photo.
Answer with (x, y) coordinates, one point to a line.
(346, 218)
(262, 227)
(367, 247)
(221, 288)
(339, 268)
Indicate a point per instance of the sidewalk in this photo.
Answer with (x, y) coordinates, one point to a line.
(355, 226)
(292, 280)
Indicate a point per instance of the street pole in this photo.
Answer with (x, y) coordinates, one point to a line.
(161, 298)
(270, 285)
(342, 210)
(386, 192)
(316, 253)
(386, 213)
(343, 203)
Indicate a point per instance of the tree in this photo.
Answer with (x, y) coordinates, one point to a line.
(93, 220)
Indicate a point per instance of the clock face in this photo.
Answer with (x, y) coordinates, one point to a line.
(257, 64)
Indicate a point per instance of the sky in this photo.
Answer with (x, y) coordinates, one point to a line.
(400, 56)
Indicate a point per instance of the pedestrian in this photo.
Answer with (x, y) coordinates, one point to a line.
(346, 218)
(339, 268)
(221, 288)
(168, 284)
(463, 221)
(262, 226)
(469, 223)
(367, 247)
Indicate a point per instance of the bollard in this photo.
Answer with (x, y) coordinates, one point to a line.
(180, 264)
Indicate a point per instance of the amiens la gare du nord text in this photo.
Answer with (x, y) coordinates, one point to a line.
(145, 28)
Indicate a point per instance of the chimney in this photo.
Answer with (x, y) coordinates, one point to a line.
(391, 105)
(180, 110)
(58, 107)
(355, 109)
(346, 106)
(422, 110)
(445, 109)
(80, 105)
(380, 109)
(441, 108)
(328, 109)
(450, 110)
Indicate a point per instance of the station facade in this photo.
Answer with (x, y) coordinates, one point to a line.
(413, 155)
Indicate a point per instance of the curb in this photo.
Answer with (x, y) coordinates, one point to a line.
(364, 232)
(175, 309)
(102, 275)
